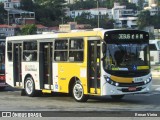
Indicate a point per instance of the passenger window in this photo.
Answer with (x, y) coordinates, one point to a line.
(61, 44)
(61, 50)
(76, 50)
(9, 51)
(30, 51)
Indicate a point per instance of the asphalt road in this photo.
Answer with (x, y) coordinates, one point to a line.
(11, 100)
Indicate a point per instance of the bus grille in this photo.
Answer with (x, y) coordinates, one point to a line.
(131, 84)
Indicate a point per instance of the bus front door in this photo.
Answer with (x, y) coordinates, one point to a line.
(94, 67)
(46, 65)
(17, 50)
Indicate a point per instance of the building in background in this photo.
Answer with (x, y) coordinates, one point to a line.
(153, 7)
(74, 1)
(8, 30)
(91, 13)
(152, 2)
(133, 1)
(157, 34)
(2, 1)
(126, 18)
(123, 17)
(17, 16)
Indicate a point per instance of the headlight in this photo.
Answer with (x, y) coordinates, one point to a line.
(145, 82)
(108, 79)
(148, 80)
(117, 84)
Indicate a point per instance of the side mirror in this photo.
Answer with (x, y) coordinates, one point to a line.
(104, 48)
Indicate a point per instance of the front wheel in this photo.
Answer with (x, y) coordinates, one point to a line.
(30, 87)
(78, 92)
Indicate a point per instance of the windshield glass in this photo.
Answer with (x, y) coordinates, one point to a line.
(158, 44)
(126, 57)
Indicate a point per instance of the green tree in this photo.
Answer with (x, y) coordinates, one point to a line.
(26, 5)
(144, 19)
(158, 2)
(3, 13)
(83, 5)
(29, 29)
(109, 3)
(131, 6)
(51, 10)
(155, 21)
(140, 4)
(104, 21)
(109, 24)
(122, 2)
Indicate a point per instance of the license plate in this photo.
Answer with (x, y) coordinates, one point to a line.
(132, 89)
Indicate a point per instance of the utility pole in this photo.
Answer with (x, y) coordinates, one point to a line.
(98, 13)
(62, 20)
(8, 17)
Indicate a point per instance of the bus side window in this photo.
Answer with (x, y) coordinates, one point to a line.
(61, 50)
(27, 56)
(76, 50)
(76, 56)
(30, 51)
(9, 51)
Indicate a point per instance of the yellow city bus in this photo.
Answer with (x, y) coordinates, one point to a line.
(97, 62)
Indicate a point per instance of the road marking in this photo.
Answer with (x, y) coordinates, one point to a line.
(150, 94)
(155, 92)
(157, 89)
(156, 85)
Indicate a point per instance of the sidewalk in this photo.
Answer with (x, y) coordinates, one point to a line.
(155, 70)
(155, 73)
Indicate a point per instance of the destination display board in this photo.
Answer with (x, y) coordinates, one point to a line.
(117, 36)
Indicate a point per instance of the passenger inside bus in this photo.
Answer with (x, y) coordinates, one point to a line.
(131, 58)
(118, 55)
(29, 57)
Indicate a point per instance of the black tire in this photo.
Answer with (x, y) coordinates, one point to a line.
(117, 97)
(23, 92)
(78, 92)
(30, 87)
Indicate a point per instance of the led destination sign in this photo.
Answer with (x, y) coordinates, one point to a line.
(126, 36)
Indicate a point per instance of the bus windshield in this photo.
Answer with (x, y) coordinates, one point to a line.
(158, 44)
(126, 57)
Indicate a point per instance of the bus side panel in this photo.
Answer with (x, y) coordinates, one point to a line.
(9, 73)
(55, 77)
(67, 71)
(63, 72)
(31, 69)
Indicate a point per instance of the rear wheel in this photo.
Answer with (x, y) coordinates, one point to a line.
(117, 97)
(30, 87)
(78, 92)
